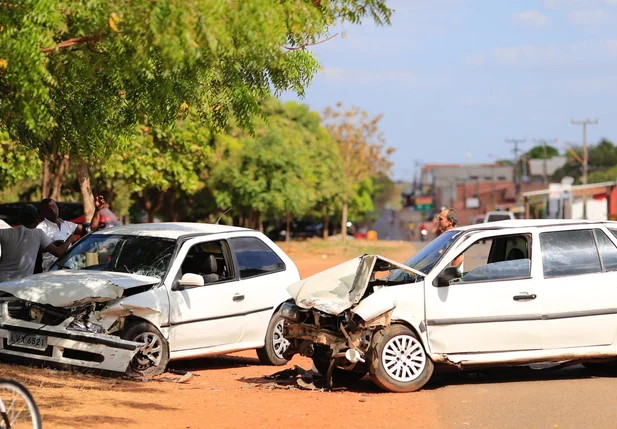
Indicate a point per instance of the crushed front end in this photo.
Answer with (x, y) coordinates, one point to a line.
(61, 335)
(322, 323)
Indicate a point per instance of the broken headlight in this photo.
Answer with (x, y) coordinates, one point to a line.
(290, 311)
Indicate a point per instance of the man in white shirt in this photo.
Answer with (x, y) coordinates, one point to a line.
(58, 230)
(21, 245)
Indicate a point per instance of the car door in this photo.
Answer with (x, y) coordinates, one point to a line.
(209, 315)
(264, 278)
(495, 305)
(580, 286)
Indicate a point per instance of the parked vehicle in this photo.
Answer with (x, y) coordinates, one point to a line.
(537, 291)
(496, 216)
(478, 219)
(73, 212)
(133, 297)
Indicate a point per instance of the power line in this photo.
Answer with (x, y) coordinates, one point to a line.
(584, 123)
(517, 184)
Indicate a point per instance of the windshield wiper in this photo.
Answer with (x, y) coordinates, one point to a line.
(64, 267)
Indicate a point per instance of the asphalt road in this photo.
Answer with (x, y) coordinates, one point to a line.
(524, 397)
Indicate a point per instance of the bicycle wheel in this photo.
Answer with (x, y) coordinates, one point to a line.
(17, 407)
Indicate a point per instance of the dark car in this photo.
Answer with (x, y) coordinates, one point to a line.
(73, 212)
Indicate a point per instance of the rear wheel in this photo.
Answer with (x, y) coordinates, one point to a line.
(275, 343)
(399, 362)
(153, 356)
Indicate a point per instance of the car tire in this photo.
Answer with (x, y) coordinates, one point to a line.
(399, 362)
(275, 344)
(153, 357)
(322, 362)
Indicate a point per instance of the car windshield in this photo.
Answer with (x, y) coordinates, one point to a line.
(426, 258)
(149, 256)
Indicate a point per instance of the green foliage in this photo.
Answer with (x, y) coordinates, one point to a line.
(282, 169)
(537, 152)
(77, 77)
(16, 163)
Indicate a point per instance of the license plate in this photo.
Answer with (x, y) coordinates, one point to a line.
(37, 342)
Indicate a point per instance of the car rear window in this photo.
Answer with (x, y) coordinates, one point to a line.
(254, 257)
(498, 217)
(569, 253)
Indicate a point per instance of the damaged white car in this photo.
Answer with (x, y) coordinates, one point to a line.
(131, 298)
(526, 292)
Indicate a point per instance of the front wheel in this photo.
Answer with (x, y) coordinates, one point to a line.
(275, 343)
(399, 362)
(17, 406)
(153, 356)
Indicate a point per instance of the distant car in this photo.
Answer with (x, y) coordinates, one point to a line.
(538, 291)
(478, 219)
(496, 216)
(73, 212)
(131, 298)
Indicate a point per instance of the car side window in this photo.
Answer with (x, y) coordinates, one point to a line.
(497, 258)
(208, 260)
(569, 253)
(608, 251)
(254, 257)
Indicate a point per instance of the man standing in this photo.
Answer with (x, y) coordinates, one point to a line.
(57, 229)
(448, 218)
(20, 246)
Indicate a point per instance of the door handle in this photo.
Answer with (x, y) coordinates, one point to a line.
(524, 296)
(237, 297)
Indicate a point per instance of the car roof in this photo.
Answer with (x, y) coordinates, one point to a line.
(173, 230)
(527, 223)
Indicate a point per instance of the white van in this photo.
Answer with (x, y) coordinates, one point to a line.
(498, 215)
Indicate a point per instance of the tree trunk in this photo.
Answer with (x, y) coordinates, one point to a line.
(260, 222)
(288, 228)
(59, 178)
(344, 221)
(45, 184)
(83, 177)
(326, 225)
(152, 209)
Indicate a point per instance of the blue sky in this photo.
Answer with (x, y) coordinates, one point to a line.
(454, 78)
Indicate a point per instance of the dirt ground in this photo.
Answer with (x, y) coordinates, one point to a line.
(228, 391)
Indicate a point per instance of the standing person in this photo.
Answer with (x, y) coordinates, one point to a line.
(58, 230)
(21, 245)
(447, 219)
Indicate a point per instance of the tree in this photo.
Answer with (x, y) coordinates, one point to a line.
(537, 152)
(362, 149)
(273, 172)
(76, 78)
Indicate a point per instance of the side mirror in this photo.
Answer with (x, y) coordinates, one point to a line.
(447, 275)
(190, 280)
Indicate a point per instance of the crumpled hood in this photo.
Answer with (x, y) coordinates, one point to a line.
(67, 288)
(340, 287)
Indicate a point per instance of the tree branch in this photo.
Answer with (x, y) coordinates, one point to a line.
(296, 48)
(72, 42)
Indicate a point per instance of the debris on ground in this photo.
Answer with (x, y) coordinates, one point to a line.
(294, 378)
(182, 377)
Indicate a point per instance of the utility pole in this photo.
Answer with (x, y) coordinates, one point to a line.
(517, 184)
(544, 156)
(584, 123)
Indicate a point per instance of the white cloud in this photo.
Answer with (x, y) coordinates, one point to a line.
(557, 4)
(339, 75)
(529, 19)
(474, 60)
(590, 18)
(515, 55)
(596, 55)
(483, 100)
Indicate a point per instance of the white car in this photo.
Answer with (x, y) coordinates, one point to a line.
(133, 297)
(527, 291)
